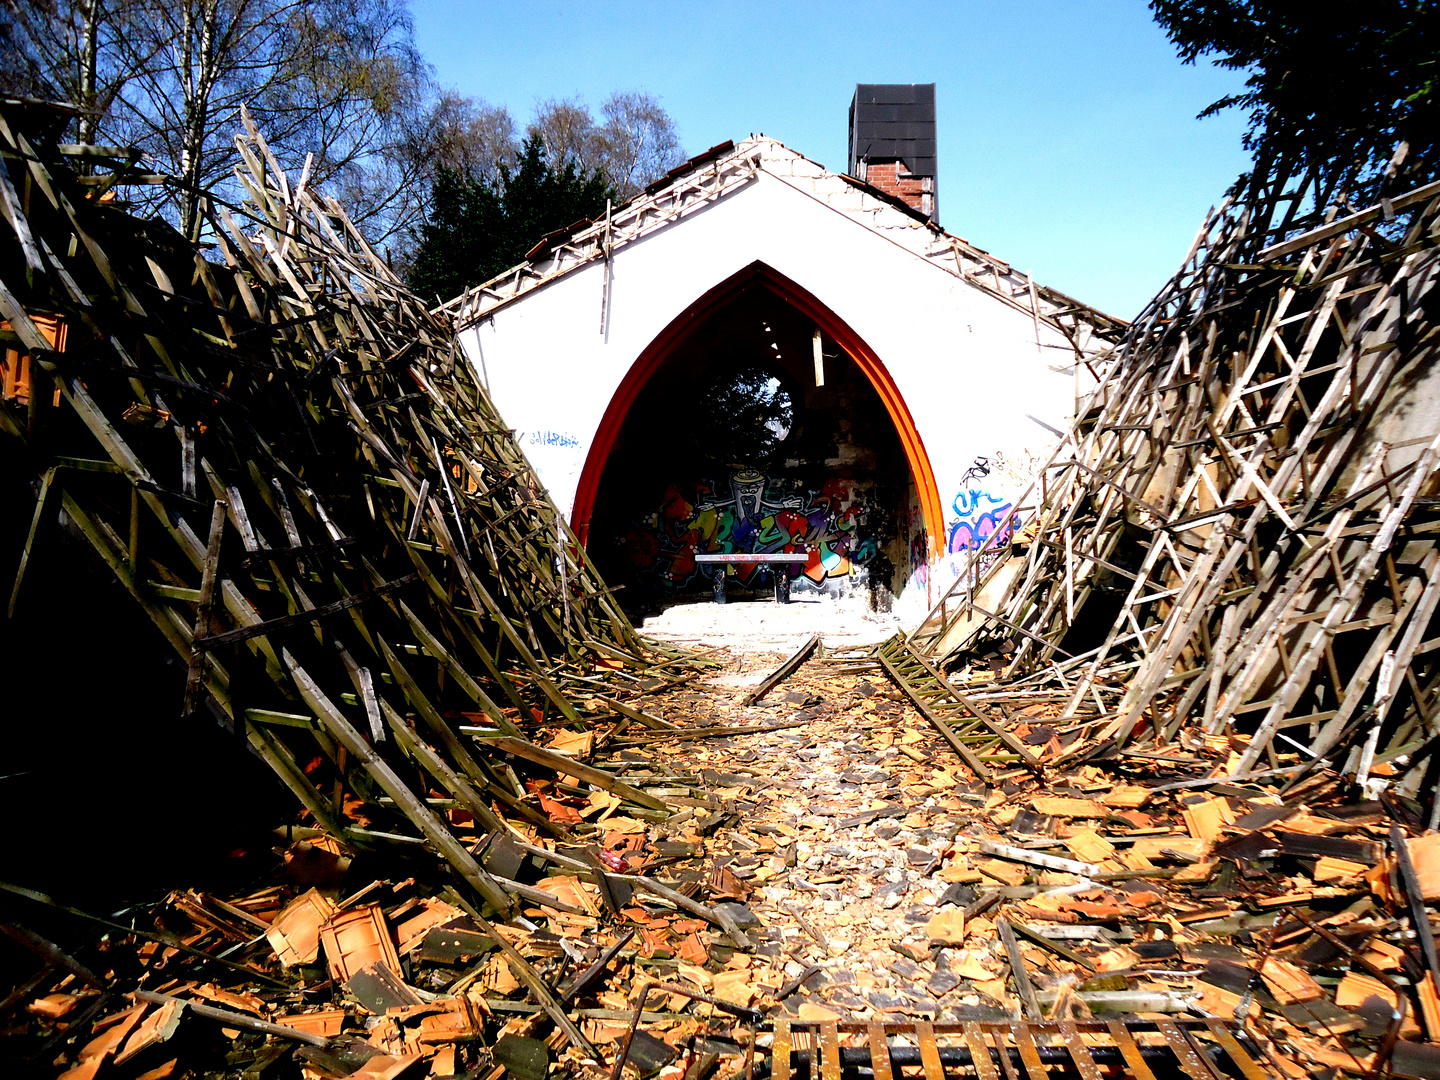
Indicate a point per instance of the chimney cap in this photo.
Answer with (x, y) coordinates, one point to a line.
(896, 122)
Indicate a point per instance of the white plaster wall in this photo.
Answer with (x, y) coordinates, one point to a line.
(967, 364)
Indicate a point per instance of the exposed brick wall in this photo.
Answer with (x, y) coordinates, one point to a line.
(893, 178)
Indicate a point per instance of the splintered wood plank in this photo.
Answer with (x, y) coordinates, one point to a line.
(880, 1067)
(784, 671)
(929, 1051)
(1018, 972)
(780, 1051)
(420, 815)
(947, 689)
(35, 522)
(1231, 1046)
(568, 766)
(1185, 1053)
(1129, 1051)
(1029, 1052)
(1007, 1066)
(207, 597)
(967, 755)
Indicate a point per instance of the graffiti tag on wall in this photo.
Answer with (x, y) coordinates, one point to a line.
(754, 514)
(920, 555)
(553, 438)
(983, 522)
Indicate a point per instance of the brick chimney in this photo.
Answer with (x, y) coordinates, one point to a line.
(892, 142)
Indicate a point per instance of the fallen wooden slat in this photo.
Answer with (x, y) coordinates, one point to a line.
(1036, 858)
(284, 622)
(231, 1018)
(715, 915)
(202, 618)
(981, 771)
(1133, 1058)
(51, 953)
(532, 980)
(570, 767)
(681, 734)
(784, 671)
(1018, 973)
(419, 814)
(638, 715)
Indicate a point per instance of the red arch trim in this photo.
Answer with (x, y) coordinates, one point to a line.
(757, 274)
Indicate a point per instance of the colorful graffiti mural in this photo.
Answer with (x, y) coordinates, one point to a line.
(754, 513)
(983, 521)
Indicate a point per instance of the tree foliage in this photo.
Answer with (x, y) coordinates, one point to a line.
(744, 417)
(634, 143)
(344, 99)
(70, 50)
(1331, 97)
(490, 200)
(477, 228)
(337, 79)
(463, 136)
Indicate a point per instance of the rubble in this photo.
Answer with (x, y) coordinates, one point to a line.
(1037, 834)
(868, 887)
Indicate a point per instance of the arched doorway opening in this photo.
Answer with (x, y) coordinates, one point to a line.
(726, 436)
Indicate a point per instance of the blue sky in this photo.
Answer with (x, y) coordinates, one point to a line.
(1068, 141)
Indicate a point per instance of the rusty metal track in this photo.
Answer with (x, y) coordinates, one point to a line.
(1206, 1049)
(981, 742)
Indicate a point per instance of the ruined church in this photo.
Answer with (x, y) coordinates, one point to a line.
(759, 354)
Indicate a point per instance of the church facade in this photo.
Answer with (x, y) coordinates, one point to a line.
(908, 384)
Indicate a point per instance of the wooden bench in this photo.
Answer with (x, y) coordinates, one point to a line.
(782, 581)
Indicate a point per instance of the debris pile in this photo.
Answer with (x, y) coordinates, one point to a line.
(863, 877)
(276, 450)
(1219, 600)
(1071, 824)
(1238, 534)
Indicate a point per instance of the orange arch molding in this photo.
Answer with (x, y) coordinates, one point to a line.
(758, 275)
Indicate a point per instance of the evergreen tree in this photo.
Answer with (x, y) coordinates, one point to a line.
(478, 228)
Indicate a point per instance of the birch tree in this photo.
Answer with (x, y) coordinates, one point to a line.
(339, 80)
(68, 50)
(635, 143)
(322, 77)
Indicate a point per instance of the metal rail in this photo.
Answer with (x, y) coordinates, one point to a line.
(981, 742)
(1138, 1049)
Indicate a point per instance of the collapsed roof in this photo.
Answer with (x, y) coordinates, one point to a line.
(729, 168)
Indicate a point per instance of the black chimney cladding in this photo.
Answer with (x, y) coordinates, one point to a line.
(895, 122)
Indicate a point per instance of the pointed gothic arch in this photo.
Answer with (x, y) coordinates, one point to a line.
(673, 337)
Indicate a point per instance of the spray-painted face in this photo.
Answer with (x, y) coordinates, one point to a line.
(749, 489)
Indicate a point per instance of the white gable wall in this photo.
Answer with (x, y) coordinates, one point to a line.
(966, 363)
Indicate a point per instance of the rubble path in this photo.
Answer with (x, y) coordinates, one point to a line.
(856, 843)
(844, 842)
(861, 872)
(763, 627)
(849, 840)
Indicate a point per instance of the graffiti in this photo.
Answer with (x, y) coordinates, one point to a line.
(981, 523)
(753, 513)
(980, 469)
(553, 438)
(920, 557)
(981, 516)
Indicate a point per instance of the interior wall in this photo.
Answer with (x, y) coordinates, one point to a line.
(838, 486)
